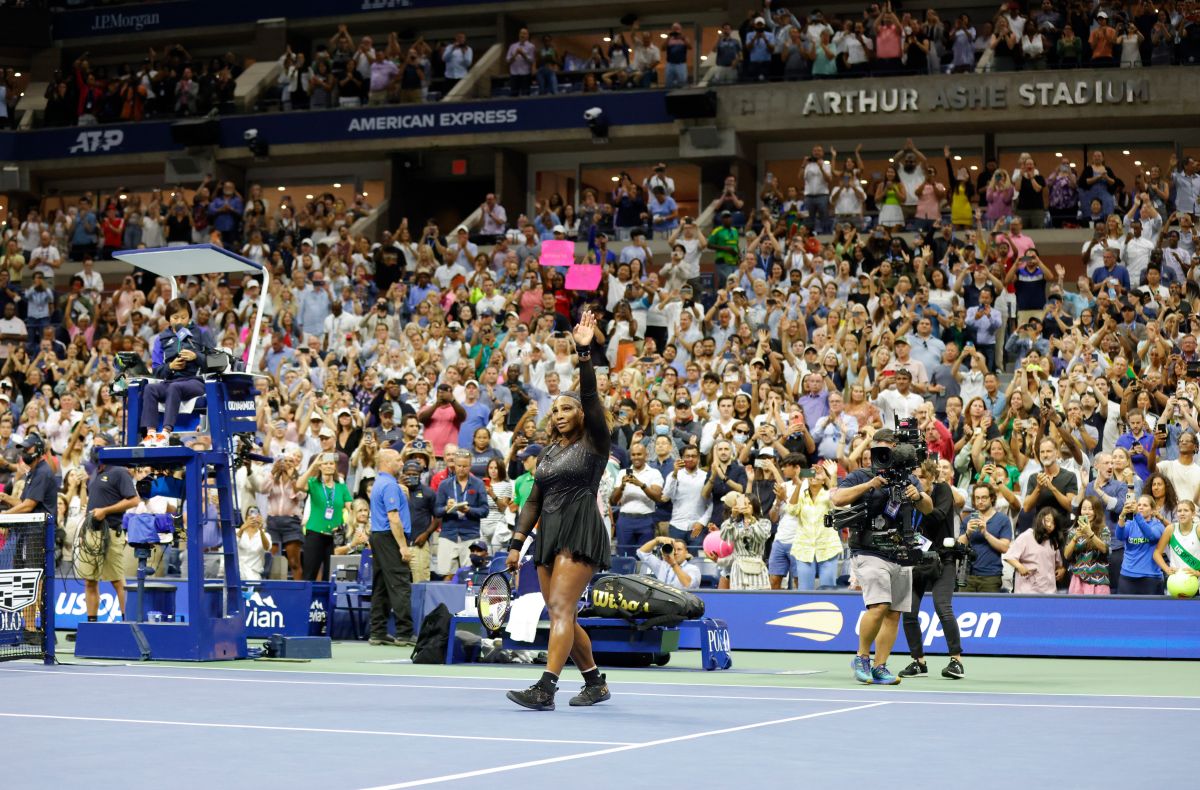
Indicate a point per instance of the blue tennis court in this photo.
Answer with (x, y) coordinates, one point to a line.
(113, 725)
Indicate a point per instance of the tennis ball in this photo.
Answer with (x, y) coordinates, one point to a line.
(1182, 585)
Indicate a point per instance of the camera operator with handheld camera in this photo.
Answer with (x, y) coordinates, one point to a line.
(884, 507)
(669, 561)
(937, 573)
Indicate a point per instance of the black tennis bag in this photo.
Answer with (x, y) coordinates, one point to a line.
(433, 638)
(643, 600)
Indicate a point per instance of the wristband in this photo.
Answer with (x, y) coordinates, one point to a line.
(516, 543)
(584, 355)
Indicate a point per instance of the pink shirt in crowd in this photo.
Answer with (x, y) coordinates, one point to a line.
(1041, 558)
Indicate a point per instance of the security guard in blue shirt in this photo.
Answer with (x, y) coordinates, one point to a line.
(175, 357)
(40, 494)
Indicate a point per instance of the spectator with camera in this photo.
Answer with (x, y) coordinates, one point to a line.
(937, 574)
(668, 560)
(988, 533)
(637, 494)
(684, 488)
(880, 558)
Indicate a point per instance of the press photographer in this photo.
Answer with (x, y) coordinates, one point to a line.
(669, 561)
(936, 572)
(883, 509)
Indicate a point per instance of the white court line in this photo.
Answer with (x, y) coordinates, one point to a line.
(524, 679)
(323, 730)
(623, 693)
(617, 749)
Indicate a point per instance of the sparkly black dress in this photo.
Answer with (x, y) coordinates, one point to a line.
(566, 484)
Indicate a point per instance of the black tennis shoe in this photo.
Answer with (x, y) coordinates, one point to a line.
(536, 697)
(954, 670)
(915, 669)
(590, 694)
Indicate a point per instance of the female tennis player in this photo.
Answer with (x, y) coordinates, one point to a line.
(572, 541)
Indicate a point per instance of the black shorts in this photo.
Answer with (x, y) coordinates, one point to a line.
(284, 529)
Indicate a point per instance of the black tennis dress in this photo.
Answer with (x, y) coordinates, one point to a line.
(565, 486)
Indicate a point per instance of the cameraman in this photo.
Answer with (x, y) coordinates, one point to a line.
(886, 585)
(674, 567)
(939, 577)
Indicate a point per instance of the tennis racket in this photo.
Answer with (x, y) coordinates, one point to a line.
(496, 597)
(495, 600)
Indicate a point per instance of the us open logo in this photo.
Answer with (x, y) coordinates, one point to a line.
(820, 621)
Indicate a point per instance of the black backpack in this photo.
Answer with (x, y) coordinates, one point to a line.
(643, 600)
(433, 638)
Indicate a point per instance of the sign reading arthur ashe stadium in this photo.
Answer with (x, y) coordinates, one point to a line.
(856, 99)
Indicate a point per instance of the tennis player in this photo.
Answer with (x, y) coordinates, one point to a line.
(572, 540)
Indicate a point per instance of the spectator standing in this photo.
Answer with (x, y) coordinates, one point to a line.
(684, 488)
(758, 51)
(989, 533)
(1141, 527)
(747, 531)
(816, 548)
(549, 62)
(329, 500)
(457, 56)
(675, 54)
(462, 505)
(636, 495)
(1086, 550)
(1035, 558)
(817, 176)
(727, 56)
(384, 76)
(391, 581)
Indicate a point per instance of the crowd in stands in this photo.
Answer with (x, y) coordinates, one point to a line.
(736, 400)
(169, 84)
(771, 43)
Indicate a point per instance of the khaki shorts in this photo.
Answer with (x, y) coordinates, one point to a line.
(452, 555)
(418, 562)
(883, 582)
(107, 568)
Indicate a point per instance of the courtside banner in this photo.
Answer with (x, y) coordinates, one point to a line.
(272, 607)
(150, 17)
(491, 116)
(1001, 625)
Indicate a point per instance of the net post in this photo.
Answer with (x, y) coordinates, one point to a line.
(49, 637)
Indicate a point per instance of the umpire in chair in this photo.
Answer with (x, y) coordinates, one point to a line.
(175, 357)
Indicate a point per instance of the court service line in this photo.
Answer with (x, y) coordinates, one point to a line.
(623, 693)
(617, 749)
(616, 678)
(323, 730)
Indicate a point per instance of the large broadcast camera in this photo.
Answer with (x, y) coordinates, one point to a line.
(884, 534)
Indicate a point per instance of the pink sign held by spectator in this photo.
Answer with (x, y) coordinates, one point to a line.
(584, 277)
(558, 253)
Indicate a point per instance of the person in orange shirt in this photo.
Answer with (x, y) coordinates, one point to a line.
(1102, 40)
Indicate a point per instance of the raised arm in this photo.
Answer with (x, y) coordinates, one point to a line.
(594, 423)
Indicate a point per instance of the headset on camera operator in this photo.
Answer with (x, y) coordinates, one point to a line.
(938, 573)
(883, 511)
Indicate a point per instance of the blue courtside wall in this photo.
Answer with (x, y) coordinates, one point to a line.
(343, 126)
(1010, 625)
(126, 19)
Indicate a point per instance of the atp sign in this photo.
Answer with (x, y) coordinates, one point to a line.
(99, 140)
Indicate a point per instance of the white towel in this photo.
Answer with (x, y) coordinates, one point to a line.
(524, 616)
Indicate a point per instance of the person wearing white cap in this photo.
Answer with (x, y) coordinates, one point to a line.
(306, 259)
(758, 51)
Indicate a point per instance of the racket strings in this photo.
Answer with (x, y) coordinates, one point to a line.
(495, 601)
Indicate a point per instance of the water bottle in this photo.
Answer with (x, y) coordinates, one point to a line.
(469, 603)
